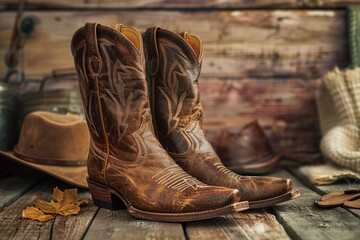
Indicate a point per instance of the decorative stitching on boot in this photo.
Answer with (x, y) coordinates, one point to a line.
(87, 105)
(175, 178)
(171, 82)
(146, 118)
(116, 76)
(221, 168)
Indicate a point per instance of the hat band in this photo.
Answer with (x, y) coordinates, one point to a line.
(49, 161)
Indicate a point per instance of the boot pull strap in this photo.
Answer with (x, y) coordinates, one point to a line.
(118, 27)
(152, 50)
(94, 61)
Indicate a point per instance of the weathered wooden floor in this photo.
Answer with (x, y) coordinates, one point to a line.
(297, 219)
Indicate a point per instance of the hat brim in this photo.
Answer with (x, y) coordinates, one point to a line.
(258, 169)
(74, 175)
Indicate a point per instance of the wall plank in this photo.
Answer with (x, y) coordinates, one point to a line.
(198, 4)
(285, 108)
(236, 43)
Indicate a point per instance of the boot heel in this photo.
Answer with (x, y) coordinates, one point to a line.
(102, 197)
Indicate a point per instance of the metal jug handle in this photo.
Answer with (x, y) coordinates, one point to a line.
(66, 74)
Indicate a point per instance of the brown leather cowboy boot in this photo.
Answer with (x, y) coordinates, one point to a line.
(173, 69)
(127, 165)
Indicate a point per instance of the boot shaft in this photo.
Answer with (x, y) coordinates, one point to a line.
(110, 67)
(173, 68)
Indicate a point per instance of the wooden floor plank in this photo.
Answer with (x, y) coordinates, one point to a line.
(12, 226)
(255, 224)
(11, 188)
(302, 220)
(325, 189)
(75, 227)
(121, 225)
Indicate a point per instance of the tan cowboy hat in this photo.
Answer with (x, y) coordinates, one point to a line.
(54, 144)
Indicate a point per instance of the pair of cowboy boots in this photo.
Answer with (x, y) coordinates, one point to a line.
(148, 150)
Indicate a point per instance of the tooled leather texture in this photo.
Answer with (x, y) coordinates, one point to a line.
(134, 164)
(178, 115)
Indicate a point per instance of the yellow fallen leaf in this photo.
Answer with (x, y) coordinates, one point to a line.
(58, 195)
(47, 207)
(66, 203)
(70, 196)
(68, 209)
(63, 203)
(34, 213)
(61, 207)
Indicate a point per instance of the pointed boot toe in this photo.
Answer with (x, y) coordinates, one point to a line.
(219, 196)
(261, 188)
(265, 191)
(289, 185)
(233, 198)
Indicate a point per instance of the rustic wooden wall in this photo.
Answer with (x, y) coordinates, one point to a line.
(183, 4)
(262, 58)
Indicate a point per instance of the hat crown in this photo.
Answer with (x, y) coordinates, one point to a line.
(51, 138)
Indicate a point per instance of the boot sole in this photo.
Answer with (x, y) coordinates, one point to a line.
(275, 200)
(108, 198)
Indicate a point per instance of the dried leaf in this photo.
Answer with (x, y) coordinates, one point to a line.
(58, 195)
(34, 213)
(66, 203)
(46, 207)
(70, 196)
(68, 209)
(63, 203)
